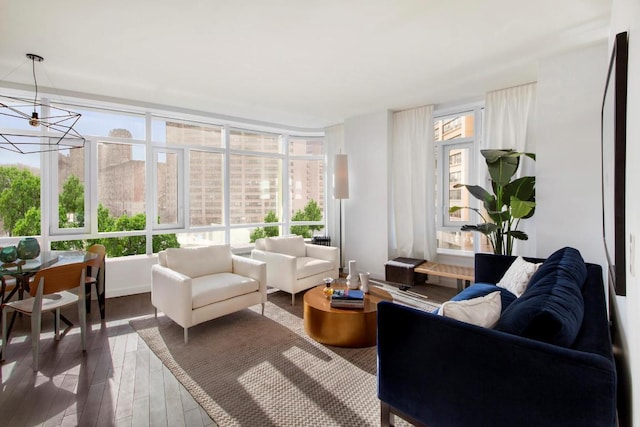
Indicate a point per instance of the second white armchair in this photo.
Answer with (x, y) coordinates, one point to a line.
(293, 265)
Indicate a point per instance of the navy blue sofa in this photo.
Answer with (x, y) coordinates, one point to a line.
(555, 369)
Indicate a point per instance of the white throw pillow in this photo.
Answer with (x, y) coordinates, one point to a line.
(482, 311)
(290, 245)
(517, 277)
(200, 261)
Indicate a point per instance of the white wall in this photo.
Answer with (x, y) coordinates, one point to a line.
(568, 183)
(366, 141)
(128, 275)
(625, 16)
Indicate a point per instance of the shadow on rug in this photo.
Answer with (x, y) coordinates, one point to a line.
(247, 369)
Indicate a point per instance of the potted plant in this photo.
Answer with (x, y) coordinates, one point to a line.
(507, 204)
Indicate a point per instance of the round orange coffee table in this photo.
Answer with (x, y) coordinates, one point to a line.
(342, 327)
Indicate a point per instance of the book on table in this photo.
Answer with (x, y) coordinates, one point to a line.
(347, 299)
(347, 295)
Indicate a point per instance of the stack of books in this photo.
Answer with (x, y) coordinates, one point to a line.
(347, 299)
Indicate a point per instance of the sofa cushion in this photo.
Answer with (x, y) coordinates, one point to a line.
(481, 289)
(552, 308)
(306, 266)
(481, 311)
(214, 288)
(289, 245)
(568, 260)
(517, 277)
(200, 261)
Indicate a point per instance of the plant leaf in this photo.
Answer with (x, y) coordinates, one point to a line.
(521, 208)
(486, 228)
(517, 234)
(521, 188)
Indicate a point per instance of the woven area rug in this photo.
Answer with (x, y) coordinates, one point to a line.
(250, 370)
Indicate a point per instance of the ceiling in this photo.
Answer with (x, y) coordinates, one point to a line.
(301, 63)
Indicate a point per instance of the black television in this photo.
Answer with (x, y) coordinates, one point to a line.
(614, 141)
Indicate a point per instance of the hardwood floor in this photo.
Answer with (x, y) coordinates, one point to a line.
(117, 381)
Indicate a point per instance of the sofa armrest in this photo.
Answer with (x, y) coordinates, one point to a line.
(171, 293)
(281, 268)
(448, 373)
(327, 253)
(252, 268)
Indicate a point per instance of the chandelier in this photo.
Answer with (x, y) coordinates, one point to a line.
(55, 124)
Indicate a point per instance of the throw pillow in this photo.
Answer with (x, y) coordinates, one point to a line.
(517, 277)
(483, 311)
(290, 245)
(482, 289)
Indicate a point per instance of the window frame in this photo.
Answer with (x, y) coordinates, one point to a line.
(473, 144)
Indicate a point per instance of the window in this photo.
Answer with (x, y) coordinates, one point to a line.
(143, 173)
(456, 136)
(259, 190)
(121, 187)
(168, 178)
(20, 213)
(72, 191)
(206, 188)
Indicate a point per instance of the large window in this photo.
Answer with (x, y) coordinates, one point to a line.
(146, 181)
(456, 136)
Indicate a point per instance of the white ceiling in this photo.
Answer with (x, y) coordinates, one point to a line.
(296, 62)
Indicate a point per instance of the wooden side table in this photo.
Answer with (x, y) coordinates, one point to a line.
(457, 272)
(342, 327)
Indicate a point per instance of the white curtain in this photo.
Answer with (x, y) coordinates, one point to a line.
(413, 228)
(509, 123)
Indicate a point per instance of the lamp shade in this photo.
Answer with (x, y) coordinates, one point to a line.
(341, 177)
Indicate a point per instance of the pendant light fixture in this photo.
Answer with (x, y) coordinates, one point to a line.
(28, 126)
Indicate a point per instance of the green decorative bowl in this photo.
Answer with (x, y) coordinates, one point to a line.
(28, 248)
(9, 254)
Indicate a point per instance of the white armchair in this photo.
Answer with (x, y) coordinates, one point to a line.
(194, 285)
(293, 265)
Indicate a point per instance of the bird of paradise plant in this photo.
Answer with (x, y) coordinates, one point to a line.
(510, 202)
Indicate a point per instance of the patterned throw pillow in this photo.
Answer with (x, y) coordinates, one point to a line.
(517, 277)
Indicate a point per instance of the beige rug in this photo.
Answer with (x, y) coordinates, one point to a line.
(246, 369)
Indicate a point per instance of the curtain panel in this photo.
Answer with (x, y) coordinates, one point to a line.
(509, 122)
(412, 217)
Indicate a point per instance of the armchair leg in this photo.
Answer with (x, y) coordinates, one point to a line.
(186, 335)
(262, 309)
(155, 312)
(293, 299)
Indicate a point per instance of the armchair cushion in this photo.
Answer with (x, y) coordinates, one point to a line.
(207, 290)
(200, 261)
(306, 266)
(288, 245)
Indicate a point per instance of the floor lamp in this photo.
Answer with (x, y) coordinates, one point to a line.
(341, 190)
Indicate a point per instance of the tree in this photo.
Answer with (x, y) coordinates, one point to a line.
(261, 233)
(29, 225)
(72, 203)
(19, 192)
(311, 212)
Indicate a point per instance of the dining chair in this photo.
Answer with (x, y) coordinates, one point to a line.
(95, 275)
(49, 292)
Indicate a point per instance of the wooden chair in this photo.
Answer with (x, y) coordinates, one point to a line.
(49, 291)
(95, 275)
